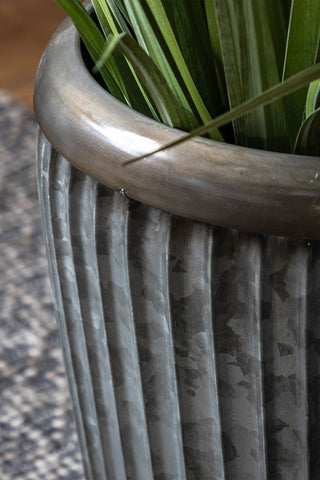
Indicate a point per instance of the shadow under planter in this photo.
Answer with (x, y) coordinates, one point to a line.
(192, 350)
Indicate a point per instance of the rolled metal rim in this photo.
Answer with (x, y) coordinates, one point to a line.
(213, 182)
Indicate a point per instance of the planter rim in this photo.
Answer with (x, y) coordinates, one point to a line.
(221, 184)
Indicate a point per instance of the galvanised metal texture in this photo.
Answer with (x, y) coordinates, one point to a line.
(192, 351)
(220, 184)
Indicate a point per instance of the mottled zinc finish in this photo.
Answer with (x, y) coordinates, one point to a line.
(192, 351)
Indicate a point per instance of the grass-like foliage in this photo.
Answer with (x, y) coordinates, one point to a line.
(243, 71)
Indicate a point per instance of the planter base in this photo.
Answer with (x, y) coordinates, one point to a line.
(192, 351)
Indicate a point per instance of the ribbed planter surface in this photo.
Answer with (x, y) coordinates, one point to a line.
(192, 351)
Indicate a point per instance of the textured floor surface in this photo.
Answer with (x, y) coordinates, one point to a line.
(37, 433)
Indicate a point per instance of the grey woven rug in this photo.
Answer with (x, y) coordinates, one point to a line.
(37, 433)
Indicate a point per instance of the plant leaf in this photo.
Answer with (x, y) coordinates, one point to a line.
(184, 29)
(251, 66)
(216, 51)
(171, 113)
(110, 16)
(158, 39)
(112, 43)
(308, 139)
(117, 63)
(312, 97)
(146, 37)
(118, 9)
(93, 40)
(278, 91)
(301, 52)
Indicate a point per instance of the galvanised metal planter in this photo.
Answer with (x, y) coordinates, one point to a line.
(192, 347)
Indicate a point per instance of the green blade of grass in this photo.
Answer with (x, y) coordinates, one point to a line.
(92, 38)
(266, 128)
(216, 51)
(159, 13)
(278, 13)
(272, 94)
(119, 12)
(230, 47)
(112, 42)
(105, 17)
(123, 73)
(146, 37)
(157, 38)
(312, 97)
(171, 113)
(109, 26)
(251, 66)
(270, 30)
(301, 52)
(308, 139)
(114, 20)
(188, 25)
(110, 16)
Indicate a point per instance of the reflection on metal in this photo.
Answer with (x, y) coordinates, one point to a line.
(192, 351)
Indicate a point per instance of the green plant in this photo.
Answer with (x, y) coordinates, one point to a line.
(245, 71)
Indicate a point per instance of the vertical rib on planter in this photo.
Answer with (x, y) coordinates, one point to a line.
(148, 245)
(191, 303)
(237, 330)
(49, 206)
(284, 333)
(313, 346)
(82, 204)
(112, 237)
(56, 186)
